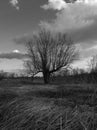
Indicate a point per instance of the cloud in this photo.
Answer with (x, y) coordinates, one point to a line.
(13, 55)
(16, 51)
(82, 64)
(91, 2)
(79, 19)
(90, 51)
(14, 3)
(62, 4)
(11, 65)
(92, 48)
(55, 4)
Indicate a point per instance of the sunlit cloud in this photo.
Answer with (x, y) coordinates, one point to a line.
(55, 4)
(91, 2)
(61, 4)
(15, 3)
(16, 51)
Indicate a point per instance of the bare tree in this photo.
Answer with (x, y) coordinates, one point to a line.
(49, 52)
(93, 64)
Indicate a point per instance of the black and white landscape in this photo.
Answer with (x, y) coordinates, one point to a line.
(48, 65)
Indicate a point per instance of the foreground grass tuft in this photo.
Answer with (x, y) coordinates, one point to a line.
(44, 108)
(37, 114)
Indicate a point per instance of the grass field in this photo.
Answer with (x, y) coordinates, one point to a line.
(25, 105)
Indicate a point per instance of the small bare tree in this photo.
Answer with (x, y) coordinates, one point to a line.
(49, 52)
(93, 64)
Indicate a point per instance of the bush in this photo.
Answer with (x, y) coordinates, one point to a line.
(3, 75)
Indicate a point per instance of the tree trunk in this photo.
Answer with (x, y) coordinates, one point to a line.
(46, 76)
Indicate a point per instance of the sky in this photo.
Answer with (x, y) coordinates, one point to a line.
(19, 18)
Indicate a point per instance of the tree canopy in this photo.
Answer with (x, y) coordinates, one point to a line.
(49, 52)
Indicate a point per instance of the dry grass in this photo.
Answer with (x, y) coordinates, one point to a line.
(50, 107)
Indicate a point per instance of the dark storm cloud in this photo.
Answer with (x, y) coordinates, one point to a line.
(78, 19)
(87, 34)
(13, 55)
